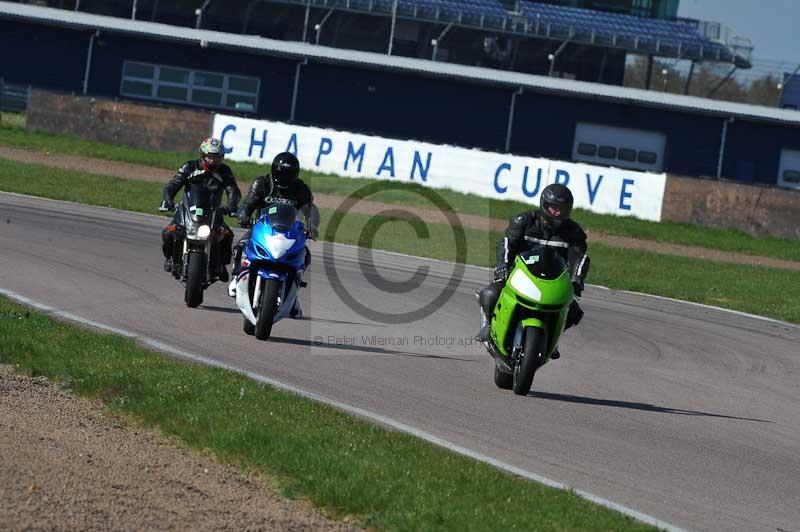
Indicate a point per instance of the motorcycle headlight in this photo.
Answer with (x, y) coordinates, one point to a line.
(203, 232)
(522, 283)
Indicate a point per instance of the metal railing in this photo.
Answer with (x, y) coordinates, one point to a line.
(722, 34)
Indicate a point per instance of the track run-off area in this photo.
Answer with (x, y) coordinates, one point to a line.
(689, 415)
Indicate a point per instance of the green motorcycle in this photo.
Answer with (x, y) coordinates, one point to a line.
(529, 317)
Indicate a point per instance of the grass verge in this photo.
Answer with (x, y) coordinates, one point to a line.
(12, 133)
(758, 290)
(387, 480)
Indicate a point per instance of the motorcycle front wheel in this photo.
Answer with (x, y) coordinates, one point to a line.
(194, 279)
(532, 356)
(267, 309)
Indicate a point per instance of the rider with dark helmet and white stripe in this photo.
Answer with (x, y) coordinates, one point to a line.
(550, 224)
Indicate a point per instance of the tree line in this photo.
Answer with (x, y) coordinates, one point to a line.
(708, 81)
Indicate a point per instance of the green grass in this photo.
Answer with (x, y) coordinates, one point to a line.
(758, 290)
(675, 233)
(385, 479)
(12, 120)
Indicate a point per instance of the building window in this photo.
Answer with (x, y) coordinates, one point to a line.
(607, 152)
(791, 176)
(587, 149)
(648, 157)
(193, 87)
(627, 154)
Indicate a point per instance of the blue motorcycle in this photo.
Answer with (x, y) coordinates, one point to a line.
(272, 270)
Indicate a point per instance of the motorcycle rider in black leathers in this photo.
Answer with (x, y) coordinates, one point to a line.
(282, 185)
(551, 223)
(209, 170)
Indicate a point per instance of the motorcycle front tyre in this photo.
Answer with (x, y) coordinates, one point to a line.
(194, 279)
(533, 353)
(267, 309)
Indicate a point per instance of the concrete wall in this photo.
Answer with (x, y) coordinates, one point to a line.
(757, 210)
(132, 124)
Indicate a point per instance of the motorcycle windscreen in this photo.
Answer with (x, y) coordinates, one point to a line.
(200, 201)
(544, 262)
(280, 216)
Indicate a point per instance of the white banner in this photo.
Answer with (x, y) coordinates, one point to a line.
(491, 175)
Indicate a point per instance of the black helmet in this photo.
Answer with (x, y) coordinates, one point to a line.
(285, 169)
(556, 204)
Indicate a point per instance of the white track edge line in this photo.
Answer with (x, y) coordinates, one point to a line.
(360, 412)
(712, 307)
(642, 294)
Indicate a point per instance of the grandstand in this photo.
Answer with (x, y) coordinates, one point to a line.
(587, 40)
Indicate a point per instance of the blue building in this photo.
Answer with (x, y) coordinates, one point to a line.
(399, 97)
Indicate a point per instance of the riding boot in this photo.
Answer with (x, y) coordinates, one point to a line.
(297, 310)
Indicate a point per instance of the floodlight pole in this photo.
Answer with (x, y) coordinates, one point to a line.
(514, 95)
(689, 78)
(133, 10)
(78, 5)
(391, 31)
(199, 13)
(552, 57)
(296, 88)
(723, 82)
(318, 27)
(89, 54)
(305, 20)
(722, 145)
(435, 42)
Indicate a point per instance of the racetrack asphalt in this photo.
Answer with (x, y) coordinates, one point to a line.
(687, 413)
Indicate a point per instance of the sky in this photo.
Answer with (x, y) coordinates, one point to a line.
(772, 25)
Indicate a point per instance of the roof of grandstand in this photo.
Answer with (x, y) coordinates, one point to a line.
(256, 44)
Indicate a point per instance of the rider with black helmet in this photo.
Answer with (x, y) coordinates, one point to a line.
(551, 222)
(283, 184)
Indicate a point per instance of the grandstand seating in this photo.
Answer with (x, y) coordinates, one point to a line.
(668, 38)
(679, 37)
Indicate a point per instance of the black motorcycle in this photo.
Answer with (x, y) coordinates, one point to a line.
(199, 225)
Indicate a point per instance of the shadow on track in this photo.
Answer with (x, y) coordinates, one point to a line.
(323, 320)
(235, 310)
(363, 349)
(229, 310)
(634, 406)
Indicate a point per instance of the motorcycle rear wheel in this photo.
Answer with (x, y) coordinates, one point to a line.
(532, 356)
